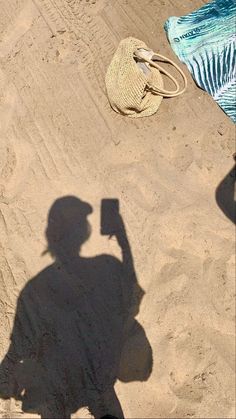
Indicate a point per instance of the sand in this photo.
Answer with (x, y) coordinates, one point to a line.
(59, 137)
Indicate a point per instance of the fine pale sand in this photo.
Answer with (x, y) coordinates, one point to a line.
(59, 137)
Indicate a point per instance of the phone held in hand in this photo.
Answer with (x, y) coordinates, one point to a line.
(109, 216)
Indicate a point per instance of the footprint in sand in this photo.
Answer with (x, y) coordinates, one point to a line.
(15, 156)
(8, 99)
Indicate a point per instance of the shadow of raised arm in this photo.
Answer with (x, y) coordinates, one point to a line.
(132, 292)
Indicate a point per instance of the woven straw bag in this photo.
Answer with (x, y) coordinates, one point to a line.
(134, 82)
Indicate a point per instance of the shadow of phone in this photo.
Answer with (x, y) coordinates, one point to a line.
(109, 217)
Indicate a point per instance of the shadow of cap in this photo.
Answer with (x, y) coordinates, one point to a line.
(68, 208)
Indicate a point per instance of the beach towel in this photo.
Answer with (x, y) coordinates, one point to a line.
(205, 41)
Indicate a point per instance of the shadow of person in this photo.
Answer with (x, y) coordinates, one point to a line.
(75, 331)
(225, 193)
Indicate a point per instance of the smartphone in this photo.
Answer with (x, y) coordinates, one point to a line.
(109, 216)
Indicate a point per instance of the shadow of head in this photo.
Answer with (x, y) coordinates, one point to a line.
(68, 227)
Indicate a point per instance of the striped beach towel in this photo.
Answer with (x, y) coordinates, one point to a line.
(205, 41)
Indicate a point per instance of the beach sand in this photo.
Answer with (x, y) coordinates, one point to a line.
(59, 137)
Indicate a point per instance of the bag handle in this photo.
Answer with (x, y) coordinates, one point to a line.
(160, 90)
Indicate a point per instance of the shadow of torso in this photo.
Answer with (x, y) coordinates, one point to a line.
(71, 325)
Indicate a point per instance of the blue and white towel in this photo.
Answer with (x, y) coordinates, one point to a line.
(205, 41)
